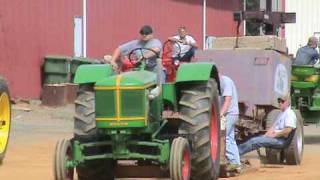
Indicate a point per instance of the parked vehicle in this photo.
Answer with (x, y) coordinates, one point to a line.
(261, 76)
(172, 127)
(305, 90)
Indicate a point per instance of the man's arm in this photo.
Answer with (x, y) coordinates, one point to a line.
(115, 57)
(195, 45)
(191, 42)
(116, 54)
(284, 132)
(270, 132)
(150, 54)
(175, 39)
(226, 104)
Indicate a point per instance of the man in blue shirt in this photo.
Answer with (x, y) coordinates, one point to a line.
(307, 55)
(146, 41)
(230, 112)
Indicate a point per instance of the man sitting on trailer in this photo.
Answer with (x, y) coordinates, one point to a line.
(308, 55)
(278, 134)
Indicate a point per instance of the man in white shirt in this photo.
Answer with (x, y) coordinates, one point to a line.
(277, 135)
(185, 44)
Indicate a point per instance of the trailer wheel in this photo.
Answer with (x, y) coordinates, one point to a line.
(199, 111)
(294, 153)
(180, 159)
(273, 156)
(85, 131)
(63, 152)
(5, 118)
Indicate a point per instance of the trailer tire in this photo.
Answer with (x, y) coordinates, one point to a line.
(199, 111)
(294, 153)
(273, 156)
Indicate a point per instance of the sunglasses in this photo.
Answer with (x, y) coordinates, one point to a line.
(280, 101)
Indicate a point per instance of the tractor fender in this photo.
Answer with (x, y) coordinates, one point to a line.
(92, 73)
(200, 71)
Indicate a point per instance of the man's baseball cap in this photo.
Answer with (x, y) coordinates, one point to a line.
(284, 97)
(146, 30)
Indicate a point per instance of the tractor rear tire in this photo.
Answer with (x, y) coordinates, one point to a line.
(180, 159)
(199, 111)
(294, 153)
(85, 131)
(5, 118)
(62, 153)
(273, 156)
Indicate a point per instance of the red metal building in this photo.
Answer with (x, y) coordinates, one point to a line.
(29, 30)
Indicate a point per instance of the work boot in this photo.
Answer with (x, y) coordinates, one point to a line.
(233, 168)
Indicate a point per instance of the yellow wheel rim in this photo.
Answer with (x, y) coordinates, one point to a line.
(4, 121)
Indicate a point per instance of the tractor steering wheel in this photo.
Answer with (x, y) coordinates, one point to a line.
(169, 48)
(136, 56)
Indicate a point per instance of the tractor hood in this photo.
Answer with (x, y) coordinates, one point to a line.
(121, 100)
(133, 78)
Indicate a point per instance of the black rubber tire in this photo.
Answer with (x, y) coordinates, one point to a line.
(84, 119)
(4, 90)
(85, 130)
(294, 153)
(273, 156)
(179, 146)
(63, 152)
(196, 106)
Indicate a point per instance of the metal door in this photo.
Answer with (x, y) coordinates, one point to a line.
(78, 43)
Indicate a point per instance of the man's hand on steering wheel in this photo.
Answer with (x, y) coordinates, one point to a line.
(136, 60)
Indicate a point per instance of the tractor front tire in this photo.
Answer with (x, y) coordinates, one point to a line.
(294, 153)
(85, 131)
(199, 111)
(180, 159)
(5, 118)
(63, 152)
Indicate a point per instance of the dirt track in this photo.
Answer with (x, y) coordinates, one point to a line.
(34, 134)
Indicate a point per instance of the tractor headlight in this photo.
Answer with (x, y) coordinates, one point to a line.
(313, 78)
(294, 78)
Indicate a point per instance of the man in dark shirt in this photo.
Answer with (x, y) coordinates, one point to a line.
(307, 55)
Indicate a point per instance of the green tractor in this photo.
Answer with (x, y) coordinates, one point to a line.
(5, 118)
(305, 89)
(133, 121)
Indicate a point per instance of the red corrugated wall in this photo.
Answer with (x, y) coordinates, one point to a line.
(113, 22)
(29, 30)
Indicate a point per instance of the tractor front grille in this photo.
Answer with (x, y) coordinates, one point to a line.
(121, 107)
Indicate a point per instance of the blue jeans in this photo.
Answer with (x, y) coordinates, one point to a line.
(260, 141)
(232, 152)
(187, 56)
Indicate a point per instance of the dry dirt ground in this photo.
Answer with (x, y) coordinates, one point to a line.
(35, 130)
